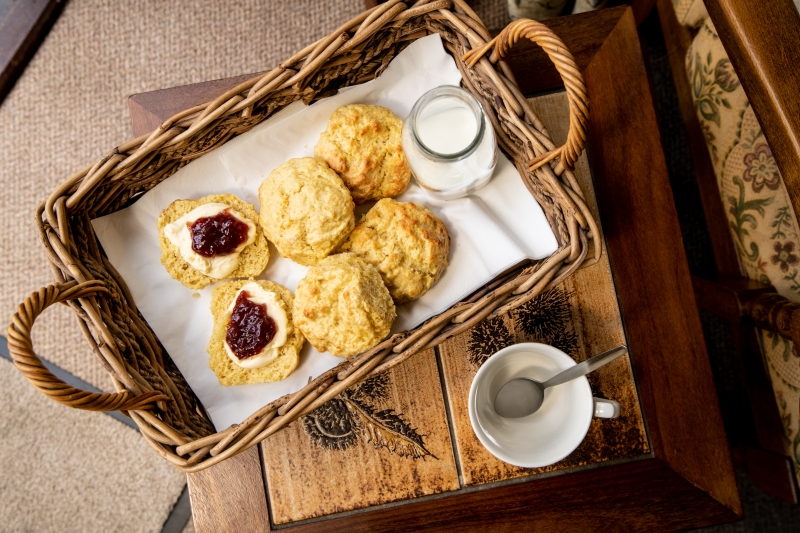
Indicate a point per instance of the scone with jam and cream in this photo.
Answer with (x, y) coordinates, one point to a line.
(254, 339)
(213, 238)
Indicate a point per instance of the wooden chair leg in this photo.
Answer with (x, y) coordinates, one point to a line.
(736, 300)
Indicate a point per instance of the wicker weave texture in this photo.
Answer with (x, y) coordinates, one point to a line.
(150, 388)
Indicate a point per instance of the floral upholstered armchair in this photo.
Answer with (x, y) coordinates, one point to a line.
(760, 215)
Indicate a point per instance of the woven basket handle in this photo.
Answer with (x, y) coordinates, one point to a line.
(21, 349)
(565, 64)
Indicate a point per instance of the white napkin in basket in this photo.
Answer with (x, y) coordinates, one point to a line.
(491, 231)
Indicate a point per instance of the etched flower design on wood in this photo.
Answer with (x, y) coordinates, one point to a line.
(353, 415)
(565, 340)
(487, 338)
(548, 319)
(761, 168)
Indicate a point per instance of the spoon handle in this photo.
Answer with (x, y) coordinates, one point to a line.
(590, 365)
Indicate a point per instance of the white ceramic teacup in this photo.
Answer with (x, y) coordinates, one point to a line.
(551, 433)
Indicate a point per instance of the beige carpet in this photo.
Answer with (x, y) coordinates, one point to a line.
(67, 471)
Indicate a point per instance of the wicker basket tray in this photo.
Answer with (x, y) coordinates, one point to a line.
(150, 389)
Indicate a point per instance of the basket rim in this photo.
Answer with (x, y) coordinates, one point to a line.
(149, 387)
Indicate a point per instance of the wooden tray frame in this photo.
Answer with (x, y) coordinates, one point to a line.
(688, 481)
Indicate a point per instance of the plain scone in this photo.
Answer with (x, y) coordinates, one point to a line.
(252, 260)
(362, 143)
(226, 370)
(342, 306)
(407, 244)
(306, 211)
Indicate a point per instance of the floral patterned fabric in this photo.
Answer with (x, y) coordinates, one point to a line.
(762, 221)
(690, 13)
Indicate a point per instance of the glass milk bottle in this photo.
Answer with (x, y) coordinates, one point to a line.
(449, 143)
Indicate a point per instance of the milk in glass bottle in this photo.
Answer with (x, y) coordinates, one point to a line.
(449, 143)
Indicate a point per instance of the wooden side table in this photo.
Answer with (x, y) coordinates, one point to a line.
(664, 465)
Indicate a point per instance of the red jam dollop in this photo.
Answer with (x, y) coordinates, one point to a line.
(250, 328)
(217, 235)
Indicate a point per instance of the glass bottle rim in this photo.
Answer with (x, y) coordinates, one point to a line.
(472, 104)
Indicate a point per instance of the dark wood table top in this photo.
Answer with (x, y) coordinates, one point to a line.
(399, 454)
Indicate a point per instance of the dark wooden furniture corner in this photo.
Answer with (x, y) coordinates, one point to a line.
(764, 51)
(687, 480)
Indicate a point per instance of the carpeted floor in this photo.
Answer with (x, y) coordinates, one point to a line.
(66, 470)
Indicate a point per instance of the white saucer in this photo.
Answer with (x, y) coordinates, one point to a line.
(544, 437)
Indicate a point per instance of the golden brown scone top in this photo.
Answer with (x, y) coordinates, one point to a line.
(252, 260)
(306, 211)
(342, 306)
(407, 244)
(362, 143)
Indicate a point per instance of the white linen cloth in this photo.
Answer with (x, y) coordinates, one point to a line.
(490, 231)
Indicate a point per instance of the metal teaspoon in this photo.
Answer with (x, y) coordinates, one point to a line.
(524, 396)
